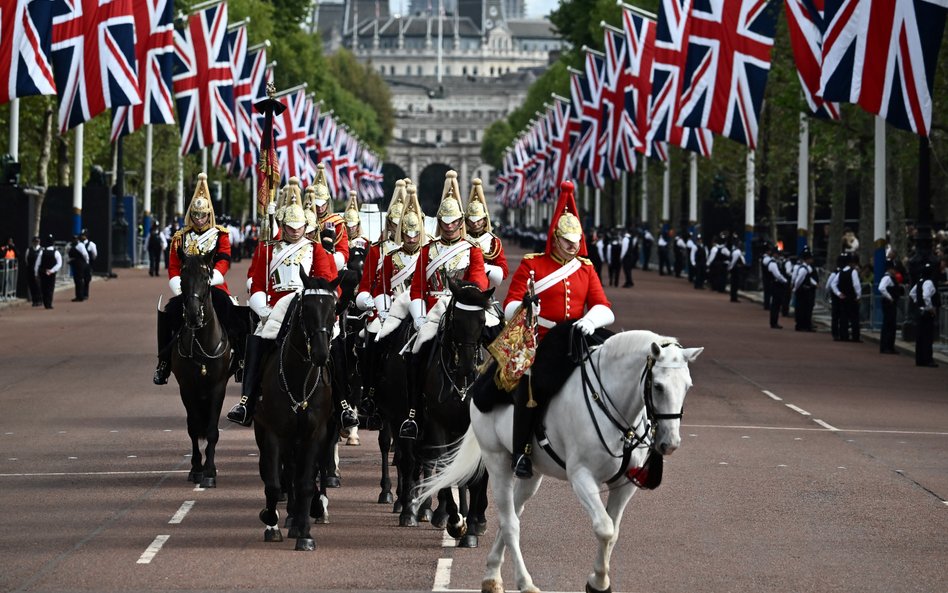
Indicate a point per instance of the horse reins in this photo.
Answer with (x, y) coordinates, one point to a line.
(221, 347)
(446, 366)
(302, 403)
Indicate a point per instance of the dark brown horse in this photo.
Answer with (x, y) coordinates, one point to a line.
(291, 421)
(200, 360)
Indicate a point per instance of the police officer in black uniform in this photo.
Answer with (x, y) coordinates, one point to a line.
(47, 265)
(32, 281)
(890, 290)
(924, 296)
(804, 287)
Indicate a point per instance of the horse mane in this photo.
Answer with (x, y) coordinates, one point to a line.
(617, 346)
(195, 263)
(469, 293)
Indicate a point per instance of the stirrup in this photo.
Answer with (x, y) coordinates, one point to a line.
(522, 467)
(408, 430)
(349, 418)
(161, 374)
(240, 415)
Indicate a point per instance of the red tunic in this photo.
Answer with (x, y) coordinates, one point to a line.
(392, 264)
(322, 267)
(470, 260)
(186, 242)
(568, 298)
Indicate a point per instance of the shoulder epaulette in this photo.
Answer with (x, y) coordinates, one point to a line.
(221, 228)
(584, 260)
(472, 241)
(532, 255)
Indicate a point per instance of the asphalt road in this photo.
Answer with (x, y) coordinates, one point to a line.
(806, 465)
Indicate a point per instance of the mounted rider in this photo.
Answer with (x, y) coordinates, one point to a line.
(199, 236)
(274, 285)
(450, 255)
(353, 221)
(371, 282)
(477, 222)
(566, 288)
(328, 220)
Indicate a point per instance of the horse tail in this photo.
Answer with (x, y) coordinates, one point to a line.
(458, 467)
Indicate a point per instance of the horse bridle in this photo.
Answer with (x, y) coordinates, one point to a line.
(202, 301)
(221, 345)
(303, 402)
(446, 366)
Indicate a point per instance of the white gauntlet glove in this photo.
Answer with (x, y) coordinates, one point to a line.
(364, 301)
(175, 285)
(598, 316)
(417, 310)
(258, 303)
(217, 278)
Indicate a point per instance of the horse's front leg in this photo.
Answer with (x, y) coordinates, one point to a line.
(213, 436)
(195, 433)
(616, 502)
(587, 491)
(385, 446)
(270, 467)
(305, 486)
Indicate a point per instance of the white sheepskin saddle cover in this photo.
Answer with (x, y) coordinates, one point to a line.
(269, 328)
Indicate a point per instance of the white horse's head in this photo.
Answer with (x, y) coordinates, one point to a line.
(665, 396)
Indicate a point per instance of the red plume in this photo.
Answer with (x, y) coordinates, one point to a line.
(566, 203)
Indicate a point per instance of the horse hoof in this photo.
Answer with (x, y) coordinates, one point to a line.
(272, 535)
(425, 517)
(590, 589)
(397, 507)
(305, 544)
(209, 483)
(353, 441)
(407, 520)
(386, 498)
(195, 477)
(492, 586)
(468, 541)
(333, 482)
(322, 519)
(480, 528)
(458, 530)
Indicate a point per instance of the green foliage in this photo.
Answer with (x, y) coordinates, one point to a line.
(497, 138)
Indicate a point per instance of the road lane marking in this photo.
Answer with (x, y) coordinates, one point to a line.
(797, 409)
(826, 425)
(153, 549)
(772, 396)
(179, 516)
(154, 472)
(442, 575)
(804, 429)
(447, 541)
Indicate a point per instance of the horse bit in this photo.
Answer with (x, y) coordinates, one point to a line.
(219, 350)
(303, 403)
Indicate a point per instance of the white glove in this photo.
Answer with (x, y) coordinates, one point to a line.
(272, 208)
(586, 326)
(417, 310)
(382, 304)
(217, 278)
(249, 284)
(258, 303)
(175, 285)
(495, 274)
(420, 321)
(364, 301)
(340, 260)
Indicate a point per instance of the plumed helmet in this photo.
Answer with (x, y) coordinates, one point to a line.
(568, 227)
(397, 204)
(292, 214)
(412, 222)
(477, 204)
(312, 221)
(450, 208)
(351, 215)
(565, 222)
(200, 202)
(319, 187)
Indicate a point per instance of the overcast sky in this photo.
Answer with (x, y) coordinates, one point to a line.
(535, 8)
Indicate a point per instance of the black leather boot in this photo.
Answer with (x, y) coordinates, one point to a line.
(523, 419)
(242, 413)
(163, 371)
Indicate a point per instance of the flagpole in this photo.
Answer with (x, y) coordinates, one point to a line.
(15, 129)
(692, 191)
(204, 159)
(179, 192)
(643, 215)
(749, 197)
(625, 198)
(803, 184)
(146, 215)
(878, 218)
(77, 181)
(666, 195)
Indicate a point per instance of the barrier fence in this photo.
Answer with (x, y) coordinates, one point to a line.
(9, 268)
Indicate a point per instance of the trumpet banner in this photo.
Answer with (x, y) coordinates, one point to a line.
(514, 350)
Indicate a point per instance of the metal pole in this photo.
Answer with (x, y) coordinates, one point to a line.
(77, 181)
(15, 129)
(878, 219)
(643, 214)
(146, 206)
(749, 197)
(803, 184)
(666, 196)
(440, 35)
(179, 192)
(692, 192)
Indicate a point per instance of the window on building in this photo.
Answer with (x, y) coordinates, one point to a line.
(391, 70)
(491, 70)
(464, 71)
(408, 70)
(419, 70)
(455, 136)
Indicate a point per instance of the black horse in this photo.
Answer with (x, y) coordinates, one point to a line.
(291, 422)
(448, 368)
(201, 360)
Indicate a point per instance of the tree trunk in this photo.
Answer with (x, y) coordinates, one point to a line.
(63, 170)
(42, 165)
(867, 196)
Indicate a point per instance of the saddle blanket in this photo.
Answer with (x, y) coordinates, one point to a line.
(269, 328)
(427, 332)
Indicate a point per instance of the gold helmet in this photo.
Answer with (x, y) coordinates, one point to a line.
(200, 203)
(569, 228)
(319, 187)
(312, 221)
(450, 208)
(397, 204)
(477, 204)
(351, 215)
(292, 213)
(412, 222)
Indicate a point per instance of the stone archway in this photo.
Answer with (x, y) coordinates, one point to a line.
(430, 186)
(390, 173)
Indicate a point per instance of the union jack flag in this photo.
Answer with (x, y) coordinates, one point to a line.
(204, 80)
(671, 34)
(370, 179)
(729, 45)
(249, 88)
(93, 58)
(291, 129)
(154, 52)
(25, 36)
(312, 137)
(620, 136)
(640, 43)
(563, 128)
(805, 21)
(326, 145)
(881, 55)
(228, 154)
(587, 93)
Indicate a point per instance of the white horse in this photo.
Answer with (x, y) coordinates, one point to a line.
(609, 425)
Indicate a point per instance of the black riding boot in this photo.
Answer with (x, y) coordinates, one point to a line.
(409, 427)
(523, 419)
(238, 342)
(164, 349)
(242, 413)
